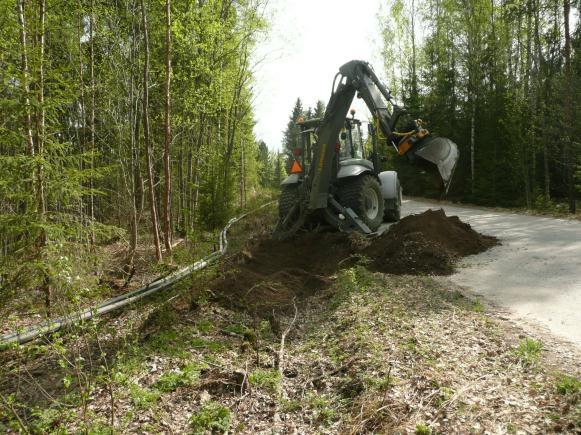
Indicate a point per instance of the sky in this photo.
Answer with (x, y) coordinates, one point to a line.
(307, 43)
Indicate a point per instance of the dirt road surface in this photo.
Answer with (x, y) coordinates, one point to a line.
(536, 273)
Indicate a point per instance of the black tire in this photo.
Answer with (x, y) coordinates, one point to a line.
(288, 197)
(357, 193)
(392, 214)
(392, 211)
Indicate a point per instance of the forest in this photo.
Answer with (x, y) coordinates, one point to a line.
(127, 120)
(503, 80)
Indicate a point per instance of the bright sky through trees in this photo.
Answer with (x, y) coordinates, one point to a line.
(307, 42)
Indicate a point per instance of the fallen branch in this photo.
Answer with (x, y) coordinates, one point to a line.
(283, 338)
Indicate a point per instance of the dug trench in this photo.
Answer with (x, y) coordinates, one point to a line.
(269, 275)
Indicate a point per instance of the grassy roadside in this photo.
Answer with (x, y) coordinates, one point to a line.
(372, 353)
(368, 353)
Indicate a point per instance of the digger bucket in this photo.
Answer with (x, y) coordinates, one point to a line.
(440, 151)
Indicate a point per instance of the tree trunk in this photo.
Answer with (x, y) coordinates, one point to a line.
(569, 157)
(82, 118)
(92, 116)
(146, 136)
(40, 134)
(40, 114)
(472, 143)
(166, 167)
(242, 175)
(25, 80)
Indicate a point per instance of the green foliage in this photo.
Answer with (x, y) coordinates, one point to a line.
(324, 409)
(568, 385)
(291, 136)
(143, 398)
(477, 306)
(268, 379)
(188, 375)
(423, 429)
(509, 109)
(212, 417)
(81, 181)
(204, 326)
(529, 351)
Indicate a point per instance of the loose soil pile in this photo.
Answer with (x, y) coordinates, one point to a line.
(426, 243)
(269, 274)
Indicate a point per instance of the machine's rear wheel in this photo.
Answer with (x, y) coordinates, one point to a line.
(291, 213)
(288, 197)
(363, 195)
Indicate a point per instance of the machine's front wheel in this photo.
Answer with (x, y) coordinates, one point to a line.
(363, 195)
(392, 211)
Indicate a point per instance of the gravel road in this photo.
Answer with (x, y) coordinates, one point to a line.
(536, 273)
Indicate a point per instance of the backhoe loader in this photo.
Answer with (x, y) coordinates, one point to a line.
(332, 178)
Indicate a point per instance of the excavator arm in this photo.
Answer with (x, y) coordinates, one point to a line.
(314, 190)
(358, 77)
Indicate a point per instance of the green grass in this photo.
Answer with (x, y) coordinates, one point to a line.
(142, 398)
(529, 351)
(568, 385)
(422, 429)
(204, 326)
(171, 381)
(477, 306)
(266, 379)
(323, 408)
(212, 346)
(291, 405)
(211, 418)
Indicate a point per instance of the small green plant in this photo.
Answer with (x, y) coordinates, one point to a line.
(212, 417)
(529, 351)
(381, 383)
(212, 346)
(142, 398)
(322, 405)
(568, 385)
(477, 306)
(291, 405)
(445, 394)
(350, 280)
(423, 429)
(266, 379)
(204, 326)
(189, 375)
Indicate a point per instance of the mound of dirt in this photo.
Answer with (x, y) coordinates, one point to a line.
(426, 243)
(268, 274)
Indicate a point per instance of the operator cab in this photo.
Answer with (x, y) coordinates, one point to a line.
(351, 140)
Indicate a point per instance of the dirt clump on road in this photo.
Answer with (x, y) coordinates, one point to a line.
(426, 243)
(268, 274)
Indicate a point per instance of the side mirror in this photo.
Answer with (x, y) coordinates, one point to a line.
(343, 136)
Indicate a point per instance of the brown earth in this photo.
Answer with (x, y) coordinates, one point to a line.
(269, 274)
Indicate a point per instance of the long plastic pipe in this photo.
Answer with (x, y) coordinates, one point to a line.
(50, 326)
